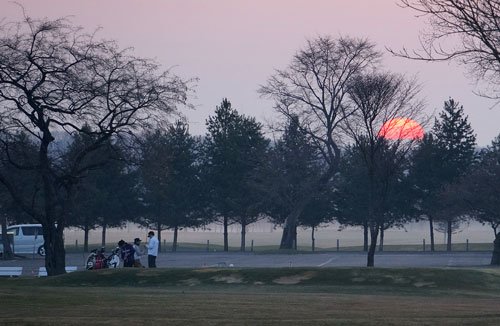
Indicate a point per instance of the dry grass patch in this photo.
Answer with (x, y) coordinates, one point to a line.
(190, 282)
(229, 279)
(148, 306)
(294, 279)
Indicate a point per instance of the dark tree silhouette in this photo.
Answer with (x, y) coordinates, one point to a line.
(377, 98)
(234, 148)
(170, 181)
(479, 190)
(426, 164)
(55, 78)
(20, 149)
(314, 88)
(456, 143)
(462, 30)
(104, 197)
(292, 168)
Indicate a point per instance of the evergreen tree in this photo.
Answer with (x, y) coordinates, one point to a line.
(353, 192)
(17, 152)
(234, 149)
(103, 197)
(170, 180)
(321, 210)
(441, 159)
(292, 168)
(456, 141)
(426, 181)
(376, 196)
(480, 191)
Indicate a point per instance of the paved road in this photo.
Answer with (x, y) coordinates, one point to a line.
(238, 260)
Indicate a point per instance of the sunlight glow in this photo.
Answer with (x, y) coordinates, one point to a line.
(401, 128)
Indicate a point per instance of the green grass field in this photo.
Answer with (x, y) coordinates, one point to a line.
(292, 296)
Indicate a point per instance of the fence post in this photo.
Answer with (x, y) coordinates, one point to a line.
(423, 244)
(164, 245)
(338, 244)
(76, 244)
(251, 247)
(467, 245)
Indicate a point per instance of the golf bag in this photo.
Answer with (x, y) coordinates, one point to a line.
(98, 260)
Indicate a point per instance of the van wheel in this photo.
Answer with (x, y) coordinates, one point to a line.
(41, 250)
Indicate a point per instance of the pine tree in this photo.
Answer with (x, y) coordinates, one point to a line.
(170, 180)
(479, 191)
(425, 176)
(234, 146)
(455, 139)
(292, 168)
(456, 143)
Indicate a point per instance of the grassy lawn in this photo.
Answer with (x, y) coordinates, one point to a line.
(292, 296)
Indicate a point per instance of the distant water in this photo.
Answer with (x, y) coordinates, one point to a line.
(264, 233)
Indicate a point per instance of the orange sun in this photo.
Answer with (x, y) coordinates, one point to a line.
(401, 128)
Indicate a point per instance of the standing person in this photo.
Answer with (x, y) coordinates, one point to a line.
(127, 253)
(152, 249)
(138, 253)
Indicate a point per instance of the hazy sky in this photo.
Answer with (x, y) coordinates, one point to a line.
(232, 46)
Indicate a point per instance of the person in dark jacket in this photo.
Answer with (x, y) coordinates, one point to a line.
(127, 253)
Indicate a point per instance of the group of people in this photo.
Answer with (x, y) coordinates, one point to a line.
(132, 254)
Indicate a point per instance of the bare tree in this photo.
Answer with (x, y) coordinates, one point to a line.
(467, 31)
(55, 79)
(313, 88)
(378, 99)
(479, 192)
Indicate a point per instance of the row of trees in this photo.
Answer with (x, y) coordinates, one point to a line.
(235, 175)
(172, 180)
(58, 82)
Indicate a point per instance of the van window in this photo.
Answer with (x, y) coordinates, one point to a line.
(15, 231)
(32, 230)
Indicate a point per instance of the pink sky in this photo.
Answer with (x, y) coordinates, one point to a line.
(232, 46)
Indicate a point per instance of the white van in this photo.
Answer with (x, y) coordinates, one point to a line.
(28, 239)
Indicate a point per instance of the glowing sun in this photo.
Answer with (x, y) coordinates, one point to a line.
(401, 128)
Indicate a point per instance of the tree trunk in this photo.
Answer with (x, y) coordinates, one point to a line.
(431, 229)
(158, 230)
(381, 245)
(243, 235)
(86, 238)
(295, 238)
(52, 223)
(448, 230)
(7, 249)
(103, 235)
(495, 258)
(365, 236)
(226, 240)
(288, 239)
(174, 242)
(373, 245)
(55, 255)
(313, 244)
